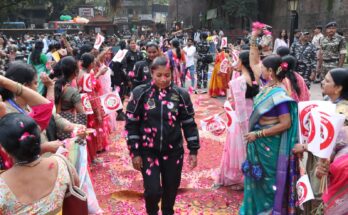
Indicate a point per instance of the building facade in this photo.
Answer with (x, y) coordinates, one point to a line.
(210, 14)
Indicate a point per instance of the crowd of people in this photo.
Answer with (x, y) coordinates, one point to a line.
(42, 112)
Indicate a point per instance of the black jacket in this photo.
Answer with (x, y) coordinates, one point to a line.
(132, 58)
(119, 76)
(155, 120)
(142, 73)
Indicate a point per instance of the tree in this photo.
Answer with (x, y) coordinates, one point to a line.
(241, 8)
(244, 9)
(57, 8)
(6, 4)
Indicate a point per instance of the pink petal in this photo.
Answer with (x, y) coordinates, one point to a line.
(151, 145)
(178, 161)
(131, 74)
(136, 145)
(21, 124)
(165, 157)
(148, 171)
(146, 106)
(170, 146)
(157, 162)
(147, 130)
(190, 90)
(24, 136)
(149, 160)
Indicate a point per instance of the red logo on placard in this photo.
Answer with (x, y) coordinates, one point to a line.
(111, 102)
(89, 82)
(304, 124)
(229, 117)
(216, 127)
(98, 40)
(327, 131)
(302, 192)
(312, 131)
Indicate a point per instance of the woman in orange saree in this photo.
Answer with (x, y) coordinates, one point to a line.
(220, 77)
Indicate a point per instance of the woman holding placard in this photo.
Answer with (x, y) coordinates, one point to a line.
(335, 86)
(269, 169)
(242, 89)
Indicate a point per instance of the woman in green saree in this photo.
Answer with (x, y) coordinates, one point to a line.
(38, 60)
(270, 168)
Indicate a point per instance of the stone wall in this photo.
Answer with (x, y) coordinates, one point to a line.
(272, 12)
(311, 13)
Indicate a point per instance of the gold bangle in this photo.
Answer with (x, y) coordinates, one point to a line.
(19, 90)
(263, 133)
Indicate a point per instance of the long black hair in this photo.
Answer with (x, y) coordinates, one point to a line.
(176, 45)
(36, 53)
(87, 59)
(273, 62)
(292, 62)
(123, 44)
(286, 35)
(244, 58)
(340, 77)
(20, 137)
(20, 72)
(68, 68)
(282, 51)
(160, 61)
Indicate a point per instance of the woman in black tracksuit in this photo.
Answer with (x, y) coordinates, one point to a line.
(142, 73)
(156, 115)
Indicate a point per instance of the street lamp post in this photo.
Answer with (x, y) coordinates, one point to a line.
(293, 4)
(177, 10)
(200, 19)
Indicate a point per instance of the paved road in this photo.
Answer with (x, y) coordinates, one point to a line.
(316, 92)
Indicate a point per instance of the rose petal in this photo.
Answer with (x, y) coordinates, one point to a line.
(148, 171)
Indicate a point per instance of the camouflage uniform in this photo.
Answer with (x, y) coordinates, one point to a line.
(331, 51)
(202, 67)
(306, 59)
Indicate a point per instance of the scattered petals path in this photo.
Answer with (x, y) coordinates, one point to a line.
(119, 187)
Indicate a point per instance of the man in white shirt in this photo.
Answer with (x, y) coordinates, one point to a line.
(190, 51)
(318, 36)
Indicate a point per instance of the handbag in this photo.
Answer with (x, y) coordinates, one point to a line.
(75, 201)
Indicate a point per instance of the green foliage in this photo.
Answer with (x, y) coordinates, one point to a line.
(162, 2)
(241, 8)
(329, 5)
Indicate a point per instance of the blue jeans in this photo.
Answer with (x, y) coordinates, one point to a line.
(192, 74)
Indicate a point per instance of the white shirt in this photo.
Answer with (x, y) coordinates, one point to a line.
(316, 40)
(279, 43)
(190, 55)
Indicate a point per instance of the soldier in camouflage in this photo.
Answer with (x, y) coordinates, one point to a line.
(202, 64)
(305, 53)
(332, 50)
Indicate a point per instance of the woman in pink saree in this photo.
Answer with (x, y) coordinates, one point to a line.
(243, 87)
